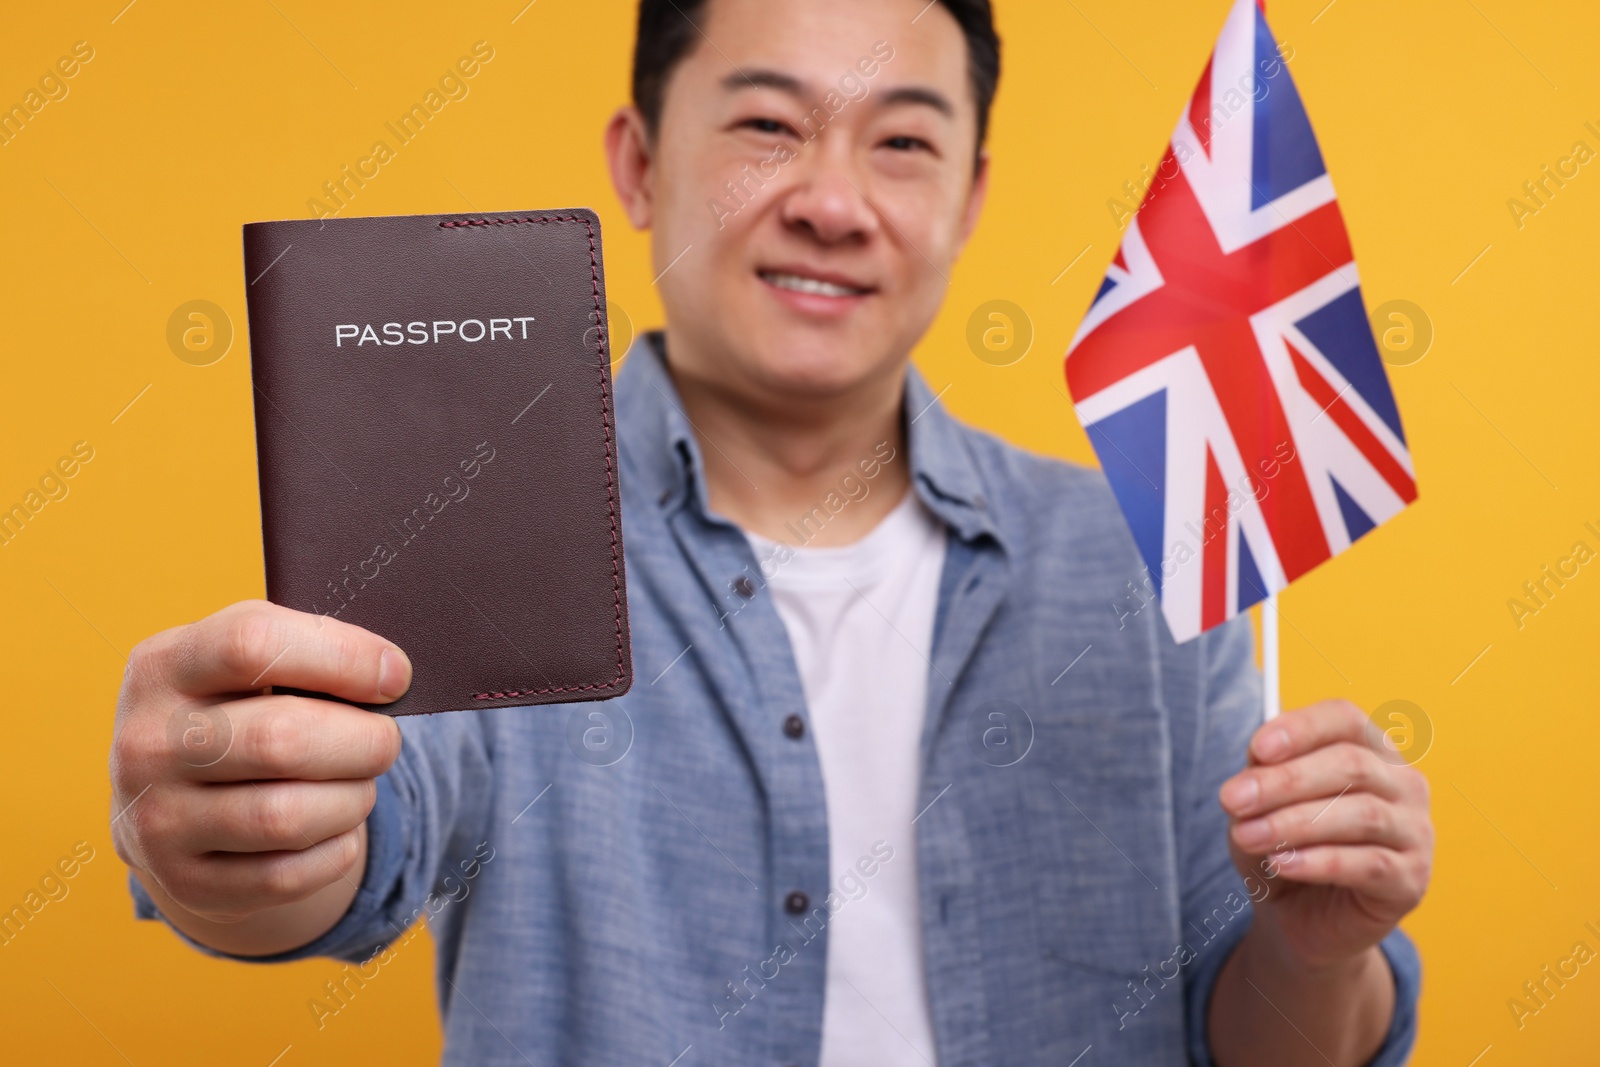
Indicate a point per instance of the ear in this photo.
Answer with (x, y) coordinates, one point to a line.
(628, 153)
(975, 199)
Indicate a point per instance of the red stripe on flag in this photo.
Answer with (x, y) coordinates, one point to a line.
(1214, 552)
(1260, 429)
(1356, 430)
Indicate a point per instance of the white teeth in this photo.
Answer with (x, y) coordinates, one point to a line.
(809, 285)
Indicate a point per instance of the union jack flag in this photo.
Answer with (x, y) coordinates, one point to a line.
(1226, 372)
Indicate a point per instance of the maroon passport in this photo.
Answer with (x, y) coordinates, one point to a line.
(436, 447)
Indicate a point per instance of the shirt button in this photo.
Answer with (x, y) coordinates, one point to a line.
(796, 903)
(794, 726)
(744, 586)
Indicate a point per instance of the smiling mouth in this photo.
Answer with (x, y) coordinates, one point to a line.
(796, 283)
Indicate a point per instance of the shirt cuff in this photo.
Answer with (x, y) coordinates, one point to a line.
(354, 934)
(1405, 966)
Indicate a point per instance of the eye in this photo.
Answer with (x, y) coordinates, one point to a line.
(767, 126)
(908, 144)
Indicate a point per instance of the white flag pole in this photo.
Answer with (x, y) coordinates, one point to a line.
(1269, 656)
(1270, 699)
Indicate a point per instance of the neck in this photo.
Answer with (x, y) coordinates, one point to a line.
(817, 472)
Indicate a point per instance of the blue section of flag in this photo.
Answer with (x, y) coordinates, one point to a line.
(1358, 522)
(1251, 588)
(1285, 154)
(1340, 331)
(1106, 286)
(1132, 446)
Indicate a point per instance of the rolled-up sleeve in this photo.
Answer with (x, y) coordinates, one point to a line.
(430, 811)
(1404, 964)
(1216, 900)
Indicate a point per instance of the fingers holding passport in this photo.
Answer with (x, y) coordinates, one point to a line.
(281, 737)
(232, 799)
(252, 644)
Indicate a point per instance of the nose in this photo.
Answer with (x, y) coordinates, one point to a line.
(828, 204)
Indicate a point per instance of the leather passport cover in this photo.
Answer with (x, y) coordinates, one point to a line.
(436, 447)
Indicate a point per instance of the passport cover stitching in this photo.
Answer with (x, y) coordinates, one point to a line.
(611, 485)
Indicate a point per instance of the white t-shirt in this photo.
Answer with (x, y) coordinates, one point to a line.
(860, 621)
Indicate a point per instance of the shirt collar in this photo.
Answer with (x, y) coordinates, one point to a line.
(662, 448)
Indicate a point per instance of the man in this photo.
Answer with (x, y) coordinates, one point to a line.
(903, 787)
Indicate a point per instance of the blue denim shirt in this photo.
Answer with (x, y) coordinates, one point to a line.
(611, 883)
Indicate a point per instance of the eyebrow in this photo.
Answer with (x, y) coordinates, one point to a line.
(789, 84)
(915, 94)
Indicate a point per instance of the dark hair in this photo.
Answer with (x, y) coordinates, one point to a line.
(667, 33)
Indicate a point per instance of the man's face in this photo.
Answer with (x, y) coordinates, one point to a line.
(811, 184)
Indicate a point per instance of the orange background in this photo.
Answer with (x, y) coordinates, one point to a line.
(125, 198)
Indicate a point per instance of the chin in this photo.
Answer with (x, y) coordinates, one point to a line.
(811, 365)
